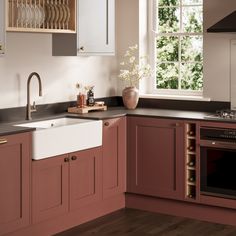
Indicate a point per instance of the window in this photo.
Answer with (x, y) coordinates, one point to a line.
(177, 40)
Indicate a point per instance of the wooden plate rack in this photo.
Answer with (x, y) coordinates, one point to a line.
(49, 16)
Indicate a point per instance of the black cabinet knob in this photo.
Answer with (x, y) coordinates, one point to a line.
(66, 159)
(106, 124)
(73, 158)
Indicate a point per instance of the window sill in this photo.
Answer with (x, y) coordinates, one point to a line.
(175, 97)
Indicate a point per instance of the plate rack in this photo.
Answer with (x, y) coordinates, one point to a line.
(52, 16)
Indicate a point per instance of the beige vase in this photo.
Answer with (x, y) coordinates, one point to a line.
(130, 97)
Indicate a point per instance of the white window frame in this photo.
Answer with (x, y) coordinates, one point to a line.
(152, 52)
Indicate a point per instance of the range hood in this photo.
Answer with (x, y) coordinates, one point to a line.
(227, 24)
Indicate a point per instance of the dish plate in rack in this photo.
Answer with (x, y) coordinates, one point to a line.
(29, 17)
(41, 15)
(53, 14)
(64, 15)
(57, 12)
(68, 15)
(61, 15)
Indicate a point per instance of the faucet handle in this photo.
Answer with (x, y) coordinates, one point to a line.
(33, 107)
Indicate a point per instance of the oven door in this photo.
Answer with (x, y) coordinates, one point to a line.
(218, 168)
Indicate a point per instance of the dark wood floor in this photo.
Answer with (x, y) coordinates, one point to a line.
(128, 222)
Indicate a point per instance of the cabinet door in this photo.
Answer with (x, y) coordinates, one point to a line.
(2, 27)
(14, 182)
(114, 156)
(85, 177)
(50, 187)
(156, 157)
(96, 26)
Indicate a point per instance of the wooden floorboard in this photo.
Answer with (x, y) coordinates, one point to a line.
(130, 222)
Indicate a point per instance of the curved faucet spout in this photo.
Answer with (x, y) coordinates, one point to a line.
(29, 108)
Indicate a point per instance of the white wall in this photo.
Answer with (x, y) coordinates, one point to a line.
(217, 51)
(127, 29)
(28, 52)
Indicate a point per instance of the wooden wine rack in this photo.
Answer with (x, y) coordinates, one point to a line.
(190, 161)
(44, 16)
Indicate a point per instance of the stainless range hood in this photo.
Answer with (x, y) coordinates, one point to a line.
(227, 24)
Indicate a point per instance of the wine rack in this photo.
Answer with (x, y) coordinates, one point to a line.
(190, 161)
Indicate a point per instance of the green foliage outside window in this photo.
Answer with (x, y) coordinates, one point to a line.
(179, 45)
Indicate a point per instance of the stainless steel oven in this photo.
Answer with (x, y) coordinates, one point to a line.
(218, 162)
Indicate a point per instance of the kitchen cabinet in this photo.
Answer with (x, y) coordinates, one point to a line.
(41, 16)
(50, 187)
(14, 182)
(156, 157)
(95, 31)
(114, 156)
(66, 182)
(85, 177)
(96, 27)
(2, 27)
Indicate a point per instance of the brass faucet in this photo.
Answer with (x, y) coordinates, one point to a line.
(29, 108)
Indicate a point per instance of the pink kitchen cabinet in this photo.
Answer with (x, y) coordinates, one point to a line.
(15, 159)
(156, 157)
(85, 177)
(65, 183)
(114, 156)
(50, 187)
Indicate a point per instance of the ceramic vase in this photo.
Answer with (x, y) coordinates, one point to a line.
(130, 97)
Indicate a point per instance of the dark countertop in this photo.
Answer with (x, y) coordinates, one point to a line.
(147, 112)
(114, 112)
(8, 129)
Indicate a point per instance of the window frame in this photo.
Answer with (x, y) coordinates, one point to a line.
(152, 34)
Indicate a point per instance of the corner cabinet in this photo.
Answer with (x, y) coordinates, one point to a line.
(65, 183)
(2, 27)
(95, 31)
(156, 157)
(96, 27)
(114, 156)
(14, 182)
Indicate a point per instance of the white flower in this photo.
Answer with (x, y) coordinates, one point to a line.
(132, 48)
(134, 70)
(132, 59)
(127, 53)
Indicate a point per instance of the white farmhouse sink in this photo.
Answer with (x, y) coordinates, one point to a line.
(64, 135)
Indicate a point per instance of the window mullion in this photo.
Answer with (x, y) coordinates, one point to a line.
(180, 46)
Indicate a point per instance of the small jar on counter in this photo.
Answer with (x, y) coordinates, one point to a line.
(81, 100)
(90, 97)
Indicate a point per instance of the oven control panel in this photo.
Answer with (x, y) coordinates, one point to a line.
(228, 135)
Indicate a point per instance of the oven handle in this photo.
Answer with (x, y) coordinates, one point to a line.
(217, 144)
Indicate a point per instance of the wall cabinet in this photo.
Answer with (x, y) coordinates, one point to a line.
(156, 157)
(95, 31)
(114, 156)
(14, 182)
(2, 27)
(66, 182)
(41, 16)
(96, 27)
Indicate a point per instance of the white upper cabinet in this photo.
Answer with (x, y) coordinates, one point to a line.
(95, 31)
(2, 27)
(96, 27)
